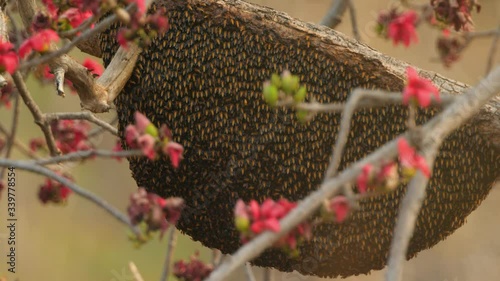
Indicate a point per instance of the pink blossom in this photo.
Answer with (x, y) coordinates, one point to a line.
(39, 42)
(364, 178)
(410, 160)
(339, 206)
(8, 58)
(131, 136)
(75, 17)
(147, 145)
(402, 28)
(419, 89)
(93, 66)
(141, 122)
(174, 152)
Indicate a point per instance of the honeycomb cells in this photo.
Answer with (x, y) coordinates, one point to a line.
(203, 78)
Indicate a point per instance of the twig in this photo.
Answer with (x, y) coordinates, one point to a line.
(354, 20)
(135, 272)
(85, 154)
(334, 15)
(493, 50)
(59, 80)
(374, 98)
(216, 257)
(438, 127)
(408, 213)
(84, 115)
(29, 166)
(96, 131)
(170, 251)
(83, 26)
(12, 136)
(19, 144)
(267, 274)
(36, 112)
(343, 134)
(249, 272)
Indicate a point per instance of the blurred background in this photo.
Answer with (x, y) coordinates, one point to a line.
(81, 242)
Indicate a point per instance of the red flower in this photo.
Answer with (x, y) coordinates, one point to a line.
(122, 39)
(364, 178)
(253, 219)
(339, 207)
(410, 160)
(71, 135)
(402, 28)
(53, 191)
(75, 17)
(419, 89)
(93, 66)
(194, 270)
(39, 42)
(8, 58)
(174, 152)
(147, 145)
(141, 122)
(36, 144)
(156, 212)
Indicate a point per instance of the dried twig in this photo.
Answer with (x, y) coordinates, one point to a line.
(172, 240)
(30, 166)
(85, 115)
(85, 154)
(12, 136)
(135, 272)
(216, 257)
(19, 145)
(408, 213)
(249, 272)
(334, 15)
(493, 50)
(36, 112)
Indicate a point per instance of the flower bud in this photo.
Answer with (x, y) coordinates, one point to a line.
(270, 94)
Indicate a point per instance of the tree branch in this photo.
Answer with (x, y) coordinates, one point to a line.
(29, 166)
(85, 115)
(36, 112)
(172, 241)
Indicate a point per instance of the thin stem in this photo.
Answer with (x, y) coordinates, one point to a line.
(135, 272)
(334, 14)
(216, 257)
(170, 251)
(85, 154)
(12, 136)
(343, 134)
(407, 217)
(493, 50)
(30, 166)
(19, 145)
(85, 115)
(249, 272)
(354, 20)
(36, 112)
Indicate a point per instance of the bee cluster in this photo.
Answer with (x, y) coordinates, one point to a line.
(204, 77)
